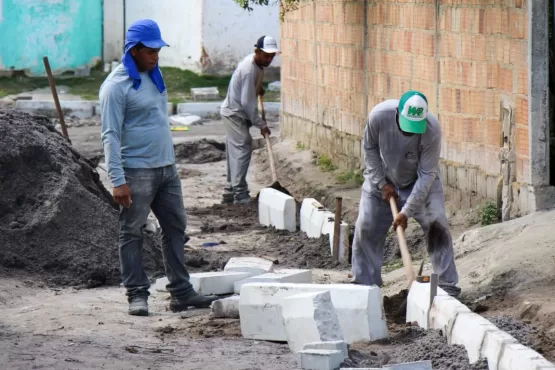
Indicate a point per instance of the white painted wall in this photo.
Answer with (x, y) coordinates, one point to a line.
(113, 30)
(230, 32)
(180, 22)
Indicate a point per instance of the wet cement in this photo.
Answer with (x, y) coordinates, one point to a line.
(56, 218)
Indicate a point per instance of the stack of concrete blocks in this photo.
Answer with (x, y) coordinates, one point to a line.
(359, 310)
(317, 221)
(478, 335)
(276, 209)
(205, 93)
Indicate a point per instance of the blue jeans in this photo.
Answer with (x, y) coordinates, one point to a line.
(158, 189)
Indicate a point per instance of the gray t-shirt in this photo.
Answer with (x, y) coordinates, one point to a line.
(400, 160)
(241, 99)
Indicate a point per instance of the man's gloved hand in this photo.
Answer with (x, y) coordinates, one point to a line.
(400, 220)
(388, 192)
(265, 131)
(122, 195)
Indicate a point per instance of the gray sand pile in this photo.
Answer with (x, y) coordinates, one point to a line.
(56, 218)
(413, 344)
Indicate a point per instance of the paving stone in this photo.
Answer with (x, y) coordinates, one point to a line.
(320, 359)
(253, 265)
(279, 276)
(227, 308)
(337, 345)
(220, 282)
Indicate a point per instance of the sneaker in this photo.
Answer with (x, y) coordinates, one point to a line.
(138, 306)
(192, 300)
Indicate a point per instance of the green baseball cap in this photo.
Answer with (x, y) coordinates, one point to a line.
(413, 108)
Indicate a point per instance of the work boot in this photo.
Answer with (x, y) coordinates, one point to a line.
(138, 306)
(242, 201)
(227, 198)
(453, 291)
(193, 299)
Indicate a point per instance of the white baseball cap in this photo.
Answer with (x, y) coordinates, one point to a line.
(267, 44)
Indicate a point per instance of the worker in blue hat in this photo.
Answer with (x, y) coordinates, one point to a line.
(141, 167)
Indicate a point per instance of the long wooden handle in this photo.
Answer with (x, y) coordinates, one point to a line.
(55, 95)
(262, 112)
(268, 143)
(405, 255)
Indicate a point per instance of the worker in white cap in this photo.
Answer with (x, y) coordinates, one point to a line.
(402, 143)
(239, 112)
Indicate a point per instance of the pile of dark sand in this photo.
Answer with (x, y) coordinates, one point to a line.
(198, 152)
(56, 218)
(413, 344)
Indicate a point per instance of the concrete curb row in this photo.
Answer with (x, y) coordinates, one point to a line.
(479, 336)
(90, 108)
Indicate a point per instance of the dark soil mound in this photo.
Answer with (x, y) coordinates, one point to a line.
(56, 217)
(198, 152)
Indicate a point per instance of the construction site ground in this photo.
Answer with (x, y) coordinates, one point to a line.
(506, 272)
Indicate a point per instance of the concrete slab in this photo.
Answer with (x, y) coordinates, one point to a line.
(182, 120)
(205, 93)
(336, 345)
(359, 310)
(279, 276)
(220, 282)
(418, 303)
(320, 359)
(520, 357)
(277, 209)
(443, 314)
(493, 346)
(76, 108)
(309, 317)
(469, 331)
(252, 265)
(227, 308)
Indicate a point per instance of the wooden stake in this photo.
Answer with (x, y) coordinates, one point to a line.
(337, 227)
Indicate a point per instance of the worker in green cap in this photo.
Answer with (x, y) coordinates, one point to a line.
(402, 144)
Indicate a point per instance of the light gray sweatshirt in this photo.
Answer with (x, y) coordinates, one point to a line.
(400, 160)
(241, 99)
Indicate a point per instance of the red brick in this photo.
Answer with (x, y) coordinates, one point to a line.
(521, 142)
(522, 80)
(506, 80)
(521, 114)
(517, 24)
(354, 12)
(324, 13)
(493, 133)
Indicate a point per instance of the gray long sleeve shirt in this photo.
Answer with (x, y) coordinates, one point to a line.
(400, 160)
(241, 99)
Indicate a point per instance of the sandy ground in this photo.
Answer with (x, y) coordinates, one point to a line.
(89, 329)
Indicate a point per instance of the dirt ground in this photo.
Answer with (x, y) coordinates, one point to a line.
(52, 326)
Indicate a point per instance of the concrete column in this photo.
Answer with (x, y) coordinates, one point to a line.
(538, 111)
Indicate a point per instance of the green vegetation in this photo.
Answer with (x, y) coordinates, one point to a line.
(284, 5)
(325, 163)
(351, 177)
(392, 265)
(178, 82)
(300, 146)
(489, 214)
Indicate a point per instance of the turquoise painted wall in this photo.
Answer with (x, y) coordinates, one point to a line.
(69, 32)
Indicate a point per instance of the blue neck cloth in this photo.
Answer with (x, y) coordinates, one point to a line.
(145, 32)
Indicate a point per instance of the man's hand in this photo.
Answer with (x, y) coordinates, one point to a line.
(265, 131)
(261, 91)
(400, 220)
(388, 192)
(122, 195)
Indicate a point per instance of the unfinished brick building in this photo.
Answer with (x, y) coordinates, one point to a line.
(483, 65)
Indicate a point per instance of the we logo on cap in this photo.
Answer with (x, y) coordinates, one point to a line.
(413, 109)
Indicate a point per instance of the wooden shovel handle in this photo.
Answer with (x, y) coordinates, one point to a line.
(268, 143)
(405, 255)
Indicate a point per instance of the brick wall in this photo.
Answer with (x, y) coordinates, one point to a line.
(340, 58)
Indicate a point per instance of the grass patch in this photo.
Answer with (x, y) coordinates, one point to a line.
(489, 214)
(392, 266)
(326, 164)
(300, 146)
(351, 177)
(178, 82)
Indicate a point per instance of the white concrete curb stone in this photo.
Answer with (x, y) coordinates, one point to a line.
(320, 359)
(205, 93)
(337, 345)
(277, 209)
(253, 265)
(220, 282)
(279, 276)
(328, 228)
(160, 285)
(227, 308)
(469, 330)
(418, 303)
(180, 120)
(520, 357)
(492, 348)
(359, 310)
(308, 207)
(309, 317)
(444, 312)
